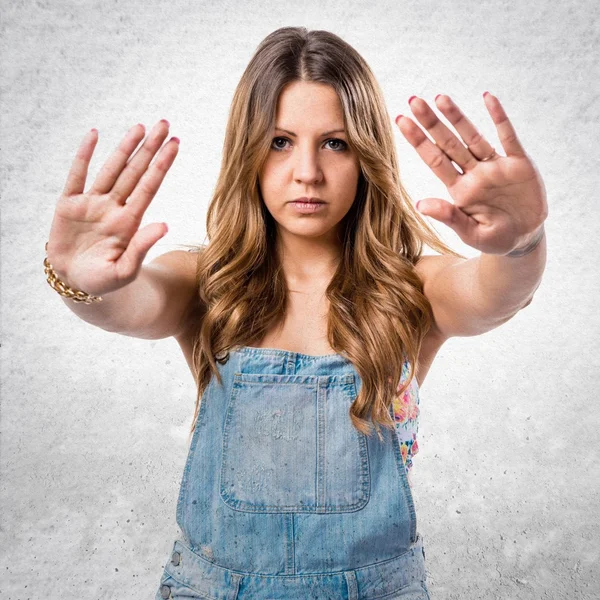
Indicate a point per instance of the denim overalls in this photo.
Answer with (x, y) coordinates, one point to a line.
(283, 499)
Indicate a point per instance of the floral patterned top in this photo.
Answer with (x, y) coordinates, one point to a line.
(406, 416)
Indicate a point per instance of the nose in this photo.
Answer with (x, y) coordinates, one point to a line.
(307, 168)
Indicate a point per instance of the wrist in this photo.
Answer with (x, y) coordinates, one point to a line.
(56, 281)
(530, 246)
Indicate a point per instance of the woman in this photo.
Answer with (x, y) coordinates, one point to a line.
(311, 318)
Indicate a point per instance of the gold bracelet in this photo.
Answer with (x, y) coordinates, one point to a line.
(530, 247)
(63, 289)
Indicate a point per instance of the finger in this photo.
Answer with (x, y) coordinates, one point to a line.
(131, 260)
(75, 183)
(476, 143)
(138, 165)
(152, 179)
(434, 158)
(506, 132)
(444, 138)
(112, 168)
(449, 214)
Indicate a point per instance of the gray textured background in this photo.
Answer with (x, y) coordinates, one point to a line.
(94, 424)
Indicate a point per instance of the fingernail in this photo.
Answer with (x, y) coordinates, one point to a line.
(165, 122)
(437, 97)
(411, 99)
(398, 118)
(175, 139)
(485, 94)
(94, 129)
(419, 202)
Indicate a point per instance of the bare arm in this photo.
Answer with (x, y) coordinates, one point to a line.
(470, 297)
(154, 305)
(96, 243)
(499, 205)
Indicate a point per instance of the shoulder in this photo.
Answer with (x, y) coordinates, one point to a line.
(458, 302)
(179, 266)
(429, 265)
(178, 260)
(177, 271)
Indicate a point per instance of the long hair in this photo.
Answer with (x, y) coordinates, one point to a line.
(378, 314)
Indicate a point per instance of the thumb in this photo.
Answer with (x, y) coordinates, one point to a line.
(143, 239)
(445, 212)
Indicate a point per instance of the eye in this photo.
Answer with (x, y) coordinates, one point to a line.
(279, 144)
(276, 147)
(338, 141)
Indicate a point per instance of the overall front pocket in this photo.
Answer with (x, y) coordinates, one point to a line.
(289, 445)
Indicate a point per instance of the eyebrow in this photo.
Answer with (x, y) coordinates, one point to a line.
(322, 135)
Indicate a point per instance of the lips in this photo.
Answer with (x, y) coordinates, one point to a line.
(306, 200)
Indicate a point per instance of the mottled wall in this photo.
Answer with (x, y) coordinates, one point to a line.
(94, 425)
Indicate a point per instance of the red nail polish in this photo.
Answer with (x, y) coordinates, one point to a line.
(398, 118)
(437, 97)
(485, 94)
(411, 99)
(165, 122)
(175, 139)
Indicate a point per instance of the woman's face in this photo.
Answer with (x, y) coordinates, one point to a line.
(310, 157)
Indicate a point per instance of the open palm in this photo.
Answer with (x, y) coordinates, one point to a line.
(499, 201)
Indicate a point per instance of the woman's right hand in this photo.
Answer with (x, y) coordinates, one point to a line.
(95, 243)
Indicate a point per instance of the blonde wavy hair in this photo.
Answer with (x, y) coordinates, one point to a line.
(378, 314)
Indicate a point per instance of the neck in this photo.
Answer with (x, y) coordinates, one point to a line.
(307, 259)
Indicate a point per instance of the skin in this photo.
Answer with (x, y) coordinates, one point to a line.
(313, 165)
(497, 205)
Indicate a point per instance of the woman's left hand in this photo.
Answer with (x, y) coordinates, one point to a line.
(500, 203)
